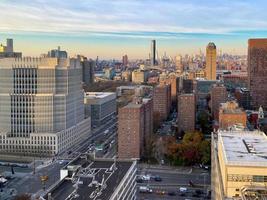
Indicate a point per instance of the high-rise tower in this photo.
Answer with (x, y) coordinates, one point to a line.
(257, 72)
(211, 61)
(153, 53)
(41, 106)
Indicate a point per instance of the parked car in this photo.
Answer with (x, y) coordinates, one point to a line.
(145, 189)
(158, 178)
(183, 189)
(171, 193)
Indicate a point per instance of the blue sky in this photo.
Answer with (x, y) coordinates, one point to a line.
(111, 28)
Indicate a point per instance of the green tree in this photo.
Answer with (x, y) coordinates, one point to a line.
(205, 151)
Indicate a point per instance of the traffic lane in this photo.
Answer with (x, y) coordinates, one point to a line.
(180, 178)
(187, 195)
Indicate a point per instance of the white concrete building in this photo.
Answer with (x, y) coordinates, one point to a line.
(41, 106)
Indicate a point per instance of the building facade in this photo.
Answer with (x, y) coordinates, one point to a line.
(162, 101)
(8, 50)
(153, 53)
(218, 95)
(131, 127)
(88, 67)
(41, 106)
(172, 80)
(100, 106)
(231, 114)
(239, 167)
(211, 56)
(257, 72)
(139, 76)
(186, 112)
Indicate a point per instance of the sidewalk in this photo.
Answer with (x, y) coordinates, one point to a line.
(183, 170)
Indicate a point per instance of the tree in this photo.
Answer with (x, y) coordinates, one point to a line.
(205, 151)
(23, 197)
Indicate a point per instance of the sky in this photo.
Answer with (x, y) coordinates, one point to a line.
(111, 28)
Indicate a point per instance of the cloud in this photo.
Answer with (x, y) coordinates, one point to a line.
(117, 17)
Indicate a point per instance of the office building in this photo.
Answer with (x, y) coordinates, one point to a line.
(257, 71)
(211, 61)
(203, 89)
(186, 112)
(8, 50)
(88, 67)
(162, 101)
(95, 178)
(57, 53)
(100, 106)
(139, 76)
(179, 64)
(109, 73)
(187, 86)
(126, 76)
(243, 98)
(153, 53)
(239, 165)
(125, 60)
(231, 114)
(42, 109)
(131, 127)
(218, 95)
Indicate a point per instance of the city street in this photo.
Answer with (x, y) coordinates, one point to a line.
(172, 180)
(25, 181)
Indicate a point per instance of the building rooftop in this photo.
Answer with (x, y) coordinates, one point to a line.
(93, 180)
(244, 148)
(98, 95)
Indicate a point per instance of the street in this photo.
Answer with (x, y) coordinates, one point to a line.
(172, 180)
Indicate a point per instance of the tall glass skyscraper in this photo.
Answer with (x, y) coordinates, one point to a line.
(153, 53)
(41, 105)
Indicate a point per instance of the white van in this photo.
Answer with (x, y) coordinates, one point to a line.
(183, 189)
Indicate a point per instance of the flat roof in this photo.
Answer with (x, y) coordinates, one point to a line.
(85, 190)
(98, 95)
(245, 148)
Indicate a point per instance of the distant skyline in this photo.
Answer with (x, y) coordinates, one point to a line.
(109, 29)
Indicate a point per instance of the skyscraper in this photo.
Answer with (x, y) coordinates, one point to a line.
(153, 53)
(41, 106)
(125, 60)
(211, 61)
(8, 50)
(9, 45)
(88, 67)
(257, 72)
(57, 53)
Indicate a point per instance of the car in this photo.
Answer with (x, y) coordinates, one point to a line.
(145, 189)
(183, 189)
(139, 180)
(146, 177)
(158, 179)
(171, 193)
(160, 192)
(199, 192)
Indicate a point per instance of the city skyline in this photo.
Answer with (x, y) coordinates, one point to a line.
(111, 29)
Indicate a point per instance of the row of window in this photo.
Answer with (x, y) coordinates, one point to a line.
(246, 178)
